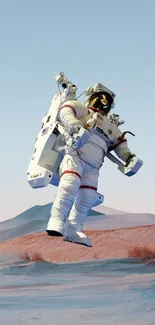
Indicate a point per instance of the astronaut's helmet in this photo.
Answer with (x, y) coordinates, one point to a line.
(100, 98)
(102, 102)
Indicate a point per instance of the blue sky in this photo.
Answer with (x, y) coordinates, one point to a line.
(112, 42)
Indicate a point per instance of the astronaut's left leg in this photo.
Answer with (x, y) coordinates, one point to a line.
(85, 199)
(71, 170)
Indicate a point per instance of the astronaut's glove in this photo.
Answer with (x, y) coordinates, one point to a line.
(129, 159)
(73, 129)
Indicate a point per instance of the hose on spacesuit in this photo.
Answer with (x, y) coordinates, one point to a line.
(121, 139)
(80, 95)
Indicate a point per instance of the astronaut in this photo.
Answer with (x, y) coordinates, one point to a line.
(79, 169)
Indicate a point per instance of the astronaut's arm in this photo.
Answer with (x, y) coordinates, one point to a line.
(121, 146)
(123, 152)
(69, 117)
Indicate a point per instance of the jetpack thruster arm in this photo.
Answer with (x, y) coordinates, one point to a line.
(77, 140)
(128, 170)
(49, 152)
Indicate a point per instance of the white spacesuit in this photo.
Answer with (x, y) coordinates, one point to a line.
(79, 170)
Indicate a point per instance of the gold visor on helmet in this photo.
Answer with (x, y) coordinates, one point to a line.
(101, 101)
(104, 100)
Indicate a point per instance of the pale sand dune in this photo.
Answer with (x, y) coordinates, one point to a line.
(107, 210)
(117, 243)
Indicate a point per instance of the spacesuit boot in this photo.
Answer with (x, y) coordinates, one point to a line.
(77, 237)
(73, 228)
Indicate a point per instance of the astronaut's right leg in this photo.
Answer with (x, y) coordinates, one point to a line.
(71, 170)
(85, 199)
